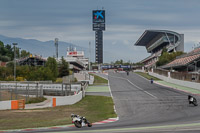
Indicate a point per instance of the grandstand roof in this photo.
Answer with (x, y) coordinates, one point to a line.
(185, 59)
(149, 35)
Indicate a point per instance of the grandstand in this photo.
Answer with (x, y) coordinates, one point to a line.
(156, 40)
(32, 60)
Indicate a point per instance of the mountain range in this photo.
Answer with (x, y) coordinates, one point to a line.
(45, 49)
(112, 52)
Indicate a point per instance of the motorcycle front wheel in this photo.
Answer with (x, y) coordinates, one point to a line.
(195, 104)
(77, 124)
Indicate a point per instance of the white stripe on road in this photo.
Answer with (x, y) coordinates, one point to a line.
(135, 86)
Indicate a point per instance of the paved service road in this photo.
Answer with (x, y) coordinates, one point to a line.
(145, 107)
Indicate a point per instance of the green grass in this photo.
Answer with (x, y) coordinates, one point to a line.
(35, 100)
(94, 108)
(99, 80)
(147, 76)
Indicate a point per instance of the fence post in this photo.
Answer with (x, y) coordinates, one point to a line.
(28, 91)
(41, 91)
(70, 89)
(62, 90)
(15, 90)
(0, 91)
(169, 74)
(37, 90)
(65, 89)
(11, 93)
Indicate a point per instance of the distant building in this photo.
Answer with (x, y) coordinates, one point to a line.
(2, 64)
(156, 40)
(189, 62)
(32, 60)
(76, 60)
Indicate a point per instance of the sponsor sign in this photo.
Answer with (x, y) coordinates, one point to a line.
(98, 16)
(75, 53)
(98, 26)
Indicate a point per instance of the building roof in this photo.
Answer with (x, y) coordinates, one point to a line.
(185, 59)
(149, 35)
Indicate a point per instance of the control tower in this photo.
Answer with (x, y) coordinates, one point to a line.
(98, 27)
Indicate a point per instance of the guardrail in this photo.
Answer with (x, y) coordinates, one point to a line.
(36, 89)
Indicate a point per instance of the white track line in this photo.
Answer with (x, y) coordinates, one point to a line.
(110, 94)
(135, 86)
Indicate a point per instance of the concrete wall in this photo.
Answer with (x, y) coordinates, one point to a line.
(4, 105)
(176, 81)
(68, 100)
(141, 70)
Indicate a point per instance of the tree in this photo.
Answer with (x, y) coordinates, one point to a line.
(167, 57)
(7, 52)
(52, 65)
(120, 62)
(24, 53)
(64, 68)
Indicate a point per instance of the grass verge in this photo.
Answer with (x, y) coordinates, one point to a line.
(35, 100)
(99, 80)
(147, 76)
(94, 108)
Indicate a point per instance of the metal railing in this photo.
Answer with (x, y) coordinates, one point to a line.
(22, 90)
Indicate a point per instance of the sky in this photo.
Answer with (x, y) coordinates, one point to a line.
(126, 20)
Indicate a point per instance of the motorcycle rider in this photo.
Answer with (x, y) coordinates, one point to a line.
(192, 100)
(151, 80)
(127, 72)
(80, 121)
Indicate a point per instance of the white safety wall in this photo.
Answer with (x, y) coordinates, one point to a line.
(176, 81)
(4, 105)
(68, 100)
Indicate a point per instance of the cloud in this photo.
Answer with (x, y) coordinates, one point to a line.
(126, 20)
(114, 42)
(126, 42)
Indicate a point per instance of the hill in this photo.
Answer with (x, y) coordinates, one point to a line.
(44, 49)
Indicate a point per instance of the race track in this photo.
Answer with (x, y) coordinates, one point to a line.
(145, 107)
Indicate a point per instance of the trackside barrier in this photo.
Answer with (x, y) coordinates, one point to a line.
(18, 104)
(4, 105)
(12, 104)
(21, 104)
(66, 100)
(176, 81)
(54, 102)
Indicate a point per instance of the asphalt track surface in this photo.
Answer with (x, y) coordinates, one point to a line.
(146, 108)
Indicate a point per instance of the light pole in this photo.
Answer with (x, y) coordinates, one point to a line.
(89, 56)
(14, 44)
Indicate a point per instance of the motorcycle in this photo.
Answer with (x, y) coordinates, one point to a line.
(192, 100)
(151, 81)
(80, 121)
(127, 73)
